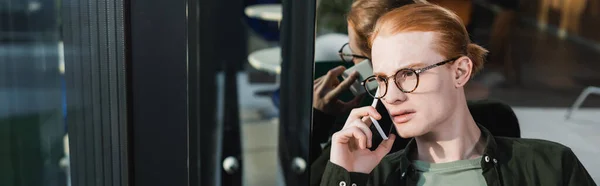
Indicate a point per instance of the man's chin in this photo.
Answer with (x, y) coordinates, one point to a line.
(405, 135)
(404, 130)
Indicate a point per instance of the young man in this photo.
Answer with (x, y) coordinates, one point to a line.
(422, 57)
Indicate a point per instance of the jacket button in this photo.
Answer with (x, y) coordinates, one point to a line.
(354, 184)
(487, 159)
(403, 174)
(495, 160)
(342, 183)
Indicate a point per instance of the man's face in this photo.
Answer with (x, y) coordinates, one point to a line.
(417, 113)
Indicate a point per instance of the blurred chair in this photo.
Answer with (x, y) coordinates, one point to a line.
(586, 92)
(498, 117)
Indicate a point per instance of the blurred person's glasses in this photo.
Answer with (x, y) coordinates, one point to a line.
(406, 79)
(347, 55)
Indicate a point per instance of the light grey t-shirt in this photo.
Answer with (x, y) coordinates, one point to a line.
(457, 173)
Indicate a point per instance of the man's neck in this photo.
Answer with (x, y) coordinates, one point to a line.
(458, 138)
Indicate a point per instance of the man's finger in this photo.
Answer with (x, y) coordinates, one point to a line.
(335, 72)
(329, 82)
(318, 79)
(364, 127)
(364, 111)
(385, 146)
(367, 120)
(317, 84)
(344, 85)
(360, 137)
(318, 91)
(351, 133)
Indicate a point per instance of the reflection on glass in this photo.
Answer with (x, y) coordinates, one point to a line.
(33, 132)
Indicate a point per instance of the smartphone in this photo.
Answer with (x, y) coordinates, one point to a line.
(364, 70)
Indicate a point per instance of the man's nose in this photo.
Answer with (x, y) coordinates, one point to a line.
(394, 94)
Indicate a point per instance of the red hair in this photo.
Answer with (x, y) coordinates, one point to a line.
(453, 39)
(364, 14)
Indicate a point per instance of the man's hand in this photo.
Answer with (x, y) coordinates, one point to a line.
(327, 89)
(350, 146)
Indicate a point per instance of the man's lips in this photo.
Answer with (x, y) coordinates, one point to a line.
(402, 116)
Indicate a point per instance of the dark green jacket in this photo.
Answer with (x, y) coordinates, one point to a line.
(495, 116)
(505, 162)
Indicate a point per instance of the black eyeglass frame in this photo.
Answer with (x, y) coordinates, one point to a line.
(415, 71)
(342, 54)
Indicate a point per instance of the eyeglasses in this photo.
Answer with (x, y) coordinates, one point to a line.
(347, 55)
(406, 79)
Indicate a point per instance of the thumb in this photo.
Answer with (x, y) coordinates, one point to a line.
(385, 146)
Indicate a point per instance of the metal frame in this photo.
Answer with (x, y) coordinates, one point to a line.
(228, 37)
(160, 117)
(176, 132)
(297, 41)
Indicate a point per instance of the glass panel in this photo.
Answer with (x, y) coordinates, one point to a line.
(33, 132)
(258, 90)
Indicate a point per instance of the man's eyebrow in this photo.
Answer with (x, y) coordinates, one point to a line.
(414, 65)
(379, 74)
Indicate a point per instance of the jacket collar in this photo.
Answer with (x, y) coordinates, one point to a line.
(488, 159)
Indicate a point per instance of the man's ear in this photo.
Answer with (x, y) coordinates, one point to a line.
(463, 68)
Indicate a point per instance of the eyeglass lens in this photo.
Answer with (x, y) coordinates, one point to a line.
(347, 53)
(406, 80)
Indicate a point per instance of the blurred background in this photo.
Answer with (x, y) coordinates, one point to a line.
(141, 103)
(32, 95)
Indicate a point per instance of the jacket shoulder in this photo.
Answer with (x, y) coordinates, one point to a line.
(541, 161)
(522, 154)
(532, 146)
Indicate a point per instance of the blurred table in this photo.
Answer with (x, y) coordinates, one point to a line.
(267, 12)
(266, 60)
